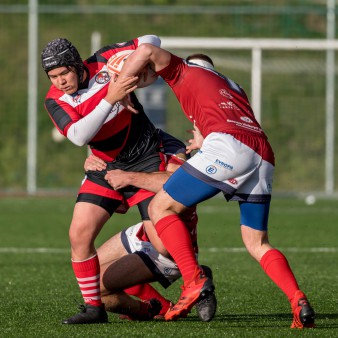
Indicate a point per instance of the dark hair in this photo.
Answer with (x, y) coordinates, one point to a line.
(200, 57)
(61, 53)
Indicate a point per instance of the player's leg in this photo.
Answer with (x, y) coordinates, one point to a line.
(213, 169)
(164, 211)
(254, 214)
(155, 239)
(90, 214)
(254, 218)
(122, 244)
(127, 272)
(108, 253)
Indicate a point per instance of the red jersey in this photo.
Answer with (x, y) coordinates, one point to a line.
(211, 100)
(127, 136)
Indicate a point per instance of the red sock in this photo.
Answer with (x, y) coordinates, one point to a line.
(177, 240)
(277, 268)
(88, 277)
(146, 292)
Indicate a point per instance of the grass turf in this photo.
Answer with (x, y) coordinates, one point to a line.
(38, 288)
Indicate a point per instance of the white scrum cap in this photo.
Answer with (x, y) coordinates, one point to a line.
(202, 63)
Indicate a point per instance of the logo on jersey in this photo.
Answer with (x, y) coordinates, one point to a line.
(246, 119)
(116, 107)
(102, 77)
(167, 271)
(269, 187)
(228, 105)
(225, 93)
(211, 169)
(233, 181)
(77, 98)
(224, 165)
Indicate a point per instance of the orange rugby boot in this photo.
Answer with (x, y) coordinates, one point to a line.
(200, 286)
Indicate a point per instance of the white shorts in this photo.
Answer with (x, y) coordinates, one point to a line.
(164, 269)
(228, 165)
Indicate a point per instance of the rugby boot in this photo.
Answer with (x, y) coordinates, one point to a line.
(303, 313)
(199, 286)
(89, 314)
(206, 306)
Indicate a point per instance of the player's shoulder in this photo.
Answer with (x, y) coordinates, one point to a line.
(54, 93)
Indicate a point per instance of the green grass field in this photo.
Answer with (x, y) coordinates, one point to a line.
(38, 288)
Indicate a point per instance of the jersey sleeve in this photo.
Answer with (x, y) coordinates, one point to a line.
(61, 114)
(172, 73)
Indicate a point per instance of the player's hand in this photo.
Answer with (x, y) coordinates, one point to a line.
(94, 163)
(128, 104)
(120, 87)
(117, 178)
(196, 142)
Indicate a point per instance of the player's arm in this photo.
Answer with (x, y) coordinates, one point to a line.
(82, 131)
(153, 181)
(145, 54)
(119, 179)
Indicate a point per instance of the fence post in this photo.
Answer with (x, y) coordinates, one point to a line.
(256, 82)
(32, 96)
(330, 101)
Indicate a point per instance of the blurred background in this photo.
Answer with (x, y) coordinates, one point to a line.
(276, 51)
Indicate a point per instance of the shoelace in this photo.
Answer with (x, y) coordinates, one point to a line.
(303, 301)
(80, 306)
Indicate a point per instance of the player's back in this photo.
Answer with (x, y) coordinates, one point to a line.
(209, 99)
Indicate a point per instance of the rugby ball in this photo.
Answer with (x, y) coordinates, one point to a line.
(115, 64)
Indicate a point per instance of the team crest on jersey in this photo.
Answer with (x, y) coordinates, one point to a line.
(211, 169)
(102, 77)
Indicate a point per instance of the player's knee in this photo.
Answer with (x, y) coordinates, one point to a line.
(107, 280)
(153, 209)
(81, 235)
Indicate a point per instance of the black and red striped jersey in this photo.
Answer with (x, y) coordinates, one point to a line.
(124, 137)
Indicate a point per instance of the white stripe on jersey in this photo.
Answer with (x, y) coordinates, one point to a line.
(94, 87)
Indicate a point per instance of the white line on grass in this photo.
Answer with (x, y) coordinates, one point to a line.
(33, 250)
(307, 250)
(211, 250)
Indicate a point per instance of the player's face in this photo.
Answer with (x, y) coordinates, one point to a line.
(64, 79)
